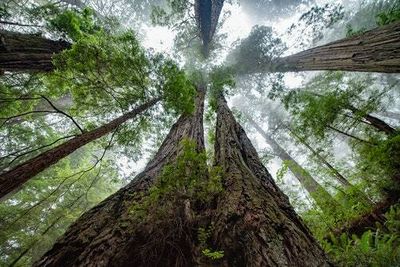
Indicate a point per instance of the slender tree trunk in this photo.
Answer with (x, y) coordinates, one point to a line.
(107, 236)
(377, 50)
(324, 200)
(339, 177)
(12, 180)
(28, 52)
(254, 223)
(351, 136)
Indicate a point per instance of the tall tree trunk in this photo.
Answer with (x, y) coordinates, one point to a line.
(12, 180)
(339, 177)
(377, 50)
(28, 52)
(107, 236)
(373, 121)
(323, 199)
(254, 223)
(207, 15)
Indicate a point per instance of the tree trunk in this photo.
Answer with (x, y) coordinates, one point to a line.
(339, 177)
(12, 180)
(207, 15)
(28, 52)
(254, 223)
(380, 125)
(107, 236)
(373, 121)
(377, 50)
(323, 199)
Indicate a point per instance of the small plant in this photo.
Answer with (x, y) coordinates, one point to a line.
(214, 255)
(203, 234)
(379, 248)
(188, 179)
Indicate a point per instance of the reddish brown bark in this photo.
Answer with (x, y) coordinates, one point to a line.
(108, 236)
(28, 52)
(377, 50)
(12, 180)
(254, 222)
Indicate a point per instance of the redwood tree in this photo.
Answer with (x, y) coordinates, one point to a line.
(28, 52)
(250, 221)
(254, 222)
(12, 180)
(107, 235)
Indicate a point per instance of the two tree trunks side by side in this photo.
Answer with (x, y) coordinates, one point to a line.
(13, 179)
(28, 52)
(377, 50)
(252, 221)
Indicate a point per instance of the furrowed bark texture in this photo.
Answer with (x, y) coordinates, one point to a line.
(255, 224)
(106, 236)
(377, 50)
(323, 199)
(28, 52)
(13, 179)
(207, 14)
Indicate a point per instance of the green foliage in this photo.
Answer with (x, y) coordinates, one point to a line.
(177, 89)
(203, 236)
(379, 248)
(383, 158)
(214, 255)
(256, 52)
(388, 16)
(75, 24)
(221, 79)
(36, 216)
(350, 32)
(188, 178)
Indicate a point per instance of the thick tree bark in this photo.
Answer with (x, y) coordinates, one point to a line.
(207, 15)
(323, 199)
(28, 52)
(254, 223)
(377, 50)
(107, 236)
(12, 180)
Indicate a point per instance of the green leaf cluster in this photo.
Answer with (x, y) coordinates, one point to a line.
(188, 178)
